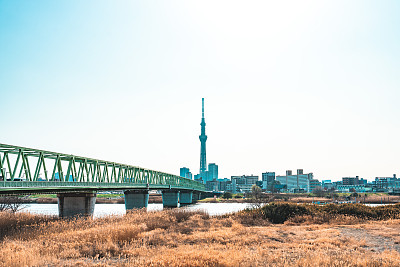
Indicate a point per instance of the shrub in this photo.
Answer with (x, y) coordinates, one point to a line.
(362, 211)
(227, 195)
(281, 212)
(182, 215)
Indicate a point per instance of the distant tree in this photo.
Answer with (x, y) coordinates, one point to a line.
(271, 186)
(318, 191)
(227, 195)
(333, 195)
(256, 191)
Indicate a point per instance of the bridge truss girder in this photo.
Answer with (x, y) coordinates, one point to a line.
(16, 163)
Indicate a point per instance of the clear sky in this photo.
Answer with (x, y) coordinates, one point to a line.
(287, 84)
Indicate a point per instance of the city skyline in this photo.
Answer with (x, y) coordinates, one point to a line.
(289, 85)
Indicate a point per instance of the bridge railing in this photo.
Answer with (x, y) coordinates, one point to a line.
(27, 167)
(93, 185)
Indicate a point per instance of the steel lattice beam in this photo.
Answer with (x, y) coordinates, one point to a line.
(27, 169)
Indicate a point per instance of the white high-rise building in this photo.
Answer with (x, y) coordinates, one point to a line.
(296, 182)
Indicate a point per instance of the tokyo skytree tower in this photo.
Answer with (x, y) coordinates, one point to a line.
(203, 139)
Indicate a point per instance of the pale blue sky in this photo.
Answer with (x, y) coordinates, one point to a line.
(287, 84)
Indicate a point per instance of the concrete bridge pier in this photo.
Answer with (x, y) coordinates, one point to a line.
(76, 204)
(185, 198)
(170, 198)
(204, 195)
(196, 196)
(136, 199)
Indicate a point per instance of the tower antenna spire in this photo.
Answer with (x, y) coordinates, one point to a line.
(202, 107)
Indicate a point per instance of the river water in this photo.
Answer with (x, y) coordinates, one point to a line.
(101, 210)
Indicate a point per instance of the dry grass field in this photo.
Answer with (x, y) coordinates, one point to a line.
(182, 238)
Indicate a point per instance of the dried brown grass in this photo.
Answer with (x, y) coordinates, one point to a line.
(309, 199)
(184, 238)
(376, 199)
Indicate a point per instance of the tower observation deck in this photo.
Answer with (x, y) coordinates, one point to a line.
(203, 139)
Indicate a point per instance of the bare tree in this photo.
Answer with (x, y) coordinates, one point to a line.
(11, 203)
(256, 191)
(318, 191)
(258, 199)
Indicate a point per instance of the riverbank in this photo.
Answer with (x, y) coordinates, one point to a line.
(369, 198)
(181, 238)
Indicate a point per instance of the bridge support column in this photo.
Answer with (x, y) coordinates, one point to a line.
(202, 195)
(76, 204)
(196, 196)
(185, 198)
(136, 199)
(170, 198)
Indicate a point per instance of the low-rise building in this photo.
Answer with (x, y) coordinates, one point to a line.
(327, 185)
(243, 183)
(299, 182)
(386, 183)
(314, 183)
(212, 185)
(359, 188)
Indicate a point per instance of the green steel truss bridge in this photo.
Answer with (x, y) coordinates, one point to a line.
(26, 171)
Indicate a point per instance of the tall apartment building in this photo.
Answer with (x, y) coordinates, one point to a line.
(223, 184)
(212, 171)
(268, 176)
(267, 179)
(185, 172)
(350, 180)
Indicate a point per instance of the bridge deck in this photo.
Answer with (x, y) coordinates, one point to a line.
(55, 187)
